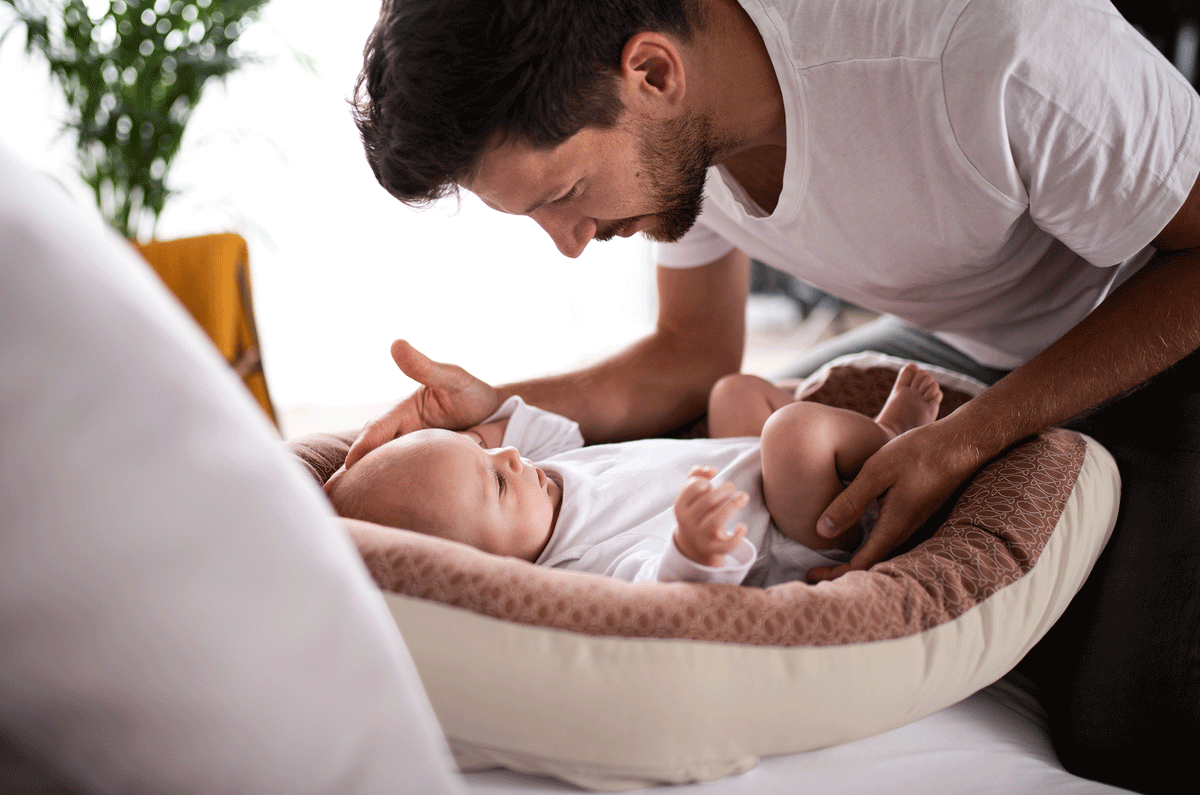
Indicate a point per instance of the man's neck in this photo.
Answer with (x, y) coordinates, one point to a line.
(733, 80)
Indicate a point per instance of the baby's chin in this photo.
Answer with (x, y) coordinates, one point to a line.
(555, 489)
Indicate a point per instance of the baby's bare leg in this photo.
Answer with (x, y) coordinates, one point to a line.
(809, 450)
(739, 405)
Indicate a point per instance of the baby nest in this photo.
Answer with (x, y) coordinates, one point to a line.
(613, 685)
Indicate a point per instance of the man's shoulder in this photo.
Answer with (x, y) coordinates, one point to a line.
(819, 33)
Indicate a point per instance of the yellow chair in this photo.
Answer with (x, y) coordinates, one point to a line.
(211, 277)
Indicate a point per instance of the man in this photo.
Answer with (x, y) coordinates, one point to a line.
(1015, 178)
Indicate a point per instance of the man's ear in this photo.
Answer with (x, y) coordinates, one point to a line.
(652, 70)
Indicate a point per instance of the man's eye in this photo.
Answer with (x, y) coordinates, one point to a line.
(569, 195)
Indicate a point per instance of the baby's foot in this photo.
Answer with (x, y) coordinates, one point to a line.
(913, 402)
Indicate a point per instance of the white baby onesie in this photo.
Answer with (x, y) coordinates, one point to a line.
(617, 516)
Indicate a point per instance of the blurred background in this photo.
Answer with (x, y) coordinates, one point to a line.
(339, 268)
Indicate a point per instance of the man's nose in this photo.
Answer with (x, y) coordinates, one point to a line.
(570, 234)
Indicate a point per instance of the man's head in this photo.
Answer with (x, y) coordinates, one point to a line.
(443, 80)
(463, 92)
(444, 484)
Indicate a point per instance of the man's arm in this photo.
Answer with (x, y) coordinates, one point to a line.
(1145, 326)
(663, 380)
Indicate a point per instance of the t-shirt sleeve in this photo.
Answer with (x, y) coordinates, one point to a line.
(700, 246)
(1065, 107)
(537, 433)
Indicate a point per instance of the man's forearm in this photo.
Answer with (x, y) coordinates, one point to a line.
(661, 381)
(649, 388)
(1145, 326)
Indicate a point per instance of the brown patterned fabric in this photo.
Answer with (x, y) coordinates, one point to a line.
(993, 536)
(865, 389)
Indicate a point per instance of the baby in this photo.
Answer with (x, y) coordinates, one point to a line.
(523, 484)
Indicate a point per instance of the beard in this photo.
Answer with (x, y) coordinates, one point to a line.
(674, 157)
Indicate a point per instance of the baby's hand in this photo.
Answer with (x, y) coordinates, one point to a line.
(703, 513)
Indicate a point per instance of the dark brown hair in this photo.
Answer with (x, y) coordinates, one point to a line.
(443, 79)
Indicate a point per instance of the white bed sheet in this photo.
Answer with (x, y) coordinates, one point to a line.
(993, 743)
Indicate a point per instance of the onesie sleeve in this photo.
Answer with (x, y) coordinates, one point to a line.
(537, 433)
(1065, 107)
(647, 558)
(674, 566)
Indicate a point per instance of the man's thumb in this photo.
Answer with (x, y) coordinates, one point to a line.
(844, 512)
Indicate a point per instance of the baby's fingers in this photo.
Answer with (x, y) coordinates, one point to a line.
(713, 524)
(697, 485)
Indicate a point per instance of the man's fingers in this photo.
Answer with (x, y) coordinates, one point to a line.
(378, 432)
(848, 507)
(415, 364)
(874, 549)
(823, 573)
(368, 439)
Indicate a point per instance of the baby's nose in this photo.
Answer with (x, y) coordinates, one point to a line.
(511, 457)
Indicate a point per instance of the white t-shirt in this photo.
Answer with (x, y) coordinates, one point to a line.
(617, 516)
(985, 169)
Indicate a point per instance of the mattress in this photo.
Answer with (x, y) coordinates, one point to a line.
(994, 743)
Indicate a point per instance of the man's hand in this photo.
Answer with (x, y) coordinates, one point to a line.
(703, 513)
(912, 476)
(448, 397)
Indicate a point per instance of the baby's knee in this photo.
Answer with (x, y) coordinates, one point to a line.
(795, 418)
(734, 391)
(799, 430)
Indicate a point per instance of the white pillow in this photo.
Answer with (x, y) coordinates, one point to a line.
(178, 610)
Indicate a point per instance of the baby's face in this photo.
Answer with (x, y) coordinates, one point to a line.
(493, 500)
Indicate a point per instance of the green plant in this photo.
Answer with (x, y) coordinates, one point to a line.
(132, 72)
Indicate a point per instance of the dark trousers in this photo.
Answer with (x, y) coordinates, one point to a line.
(1119, 674)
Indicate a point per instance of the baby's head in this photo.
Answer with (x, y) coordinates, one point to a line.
(444, 484)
